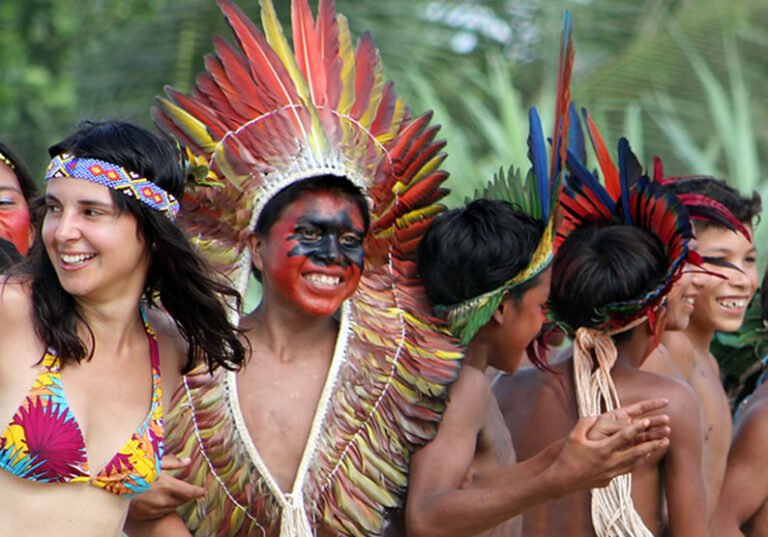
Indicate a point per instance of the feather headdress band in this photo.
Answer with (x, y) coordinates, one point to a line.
(629, 197)
(535, 196)
(699, 206)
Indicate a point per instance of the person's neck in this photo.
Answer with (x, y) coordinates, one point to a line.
(112, 324)
(633, 350)
(477, 354)
(287, 330)
(700, 337)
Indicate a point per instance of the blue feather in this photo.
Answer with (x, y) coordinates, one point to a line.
(581, 179)
(624, 156)
(576, 142)
(538, 155)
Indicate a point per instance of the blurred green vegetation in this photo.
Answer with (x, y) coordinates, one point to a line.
(685, 80)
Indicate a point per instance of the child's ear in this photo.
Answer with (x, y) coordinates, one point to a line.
(505, 309)
(254, 242)
(660, 324)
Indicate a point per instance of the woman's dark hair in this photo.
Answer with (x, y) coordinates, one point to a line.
(9, 255)
(339, 186)
(600, 265)
(476, 249)
(181, 280)
(23, 176)
(744, 208)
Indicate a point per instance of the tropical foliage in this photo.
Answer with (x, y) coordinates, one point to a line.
(683, 80)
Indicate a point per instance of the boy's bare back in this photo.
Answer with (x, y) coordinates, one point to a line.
(539, 407)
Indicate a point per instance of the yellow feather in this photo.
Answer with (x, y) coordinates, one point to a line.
(347, 56)
(417, 215)
(273, 31)
(397, 119)
(190, 125)
(376, 91)
(428, 168)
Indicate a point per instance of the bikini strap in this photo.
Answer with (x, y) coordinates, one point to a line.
(154, 350)
(50, 361)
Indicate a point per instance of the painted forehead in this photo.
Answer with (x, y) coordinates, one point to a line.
(8, 179)
(325, 208)
(718, 239)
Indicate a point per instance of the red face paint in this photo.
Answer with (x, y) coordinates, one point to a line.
(313, 254)
(14, 212)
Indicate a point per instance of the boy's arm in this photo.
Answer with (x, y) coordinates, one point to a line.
(438, 506)
(622, 430)
(745, 489)
(683, 481)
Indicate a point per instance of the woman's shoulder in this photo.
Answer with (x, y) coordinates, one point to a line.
(15, 298)
(173, 347)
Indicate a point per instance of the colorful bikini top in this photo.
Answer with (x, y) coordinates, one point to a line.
(44, 442)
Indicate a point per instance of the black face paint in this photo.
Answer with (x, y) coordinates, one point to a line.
(328, 241)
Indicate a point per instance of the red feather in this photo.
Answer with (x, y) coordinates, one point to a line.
(610, 172)
(366, 63)
(562, 100)
(265, 65)
(328, 36)
(308, 50)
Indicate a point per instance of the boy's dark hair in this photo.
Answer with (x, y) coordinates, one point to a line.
(600, 265)
(179, 278)
(475, 249)
(334, 184)
(744, 208)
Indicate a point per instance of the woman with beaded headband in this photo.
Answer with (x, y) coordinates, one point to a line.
(17, 189)
(87, 353)
(321, 184)
(619, 250)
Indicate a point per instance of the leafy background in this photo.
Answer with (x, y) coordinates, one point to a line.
(685, 80)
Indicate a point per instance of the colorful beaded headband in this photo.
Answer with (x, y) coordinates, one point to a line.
(115, 177)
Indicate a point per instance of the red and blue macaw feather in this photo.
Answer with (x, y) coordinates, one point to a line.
(655, 209)
(586, 183)
(562, 101)
(610, 173)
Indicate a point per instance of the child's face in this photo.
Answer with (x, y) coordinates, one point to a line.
(313, 255)
(682, 298)
(722, 302)
(522, 321)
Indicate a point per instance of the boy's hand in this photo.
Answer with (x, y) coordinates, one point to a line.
(166, 494)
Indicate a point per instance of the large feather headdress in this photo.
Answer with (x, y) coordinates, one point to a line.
(264, 117)
(628, 197)
(535, 195)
